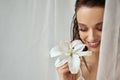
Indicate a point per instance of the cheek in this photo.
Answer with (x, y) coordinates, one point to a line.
(99, 35)
(82, 36)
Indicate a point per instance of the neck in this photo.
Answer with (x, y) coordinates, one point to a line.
(93, 59)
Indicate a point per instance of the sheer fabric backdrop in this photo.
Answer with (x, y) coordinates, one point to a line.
(109, 64)
(30, 28)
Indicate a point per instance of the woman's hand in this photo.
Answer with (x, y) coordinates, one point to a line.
(64, 73)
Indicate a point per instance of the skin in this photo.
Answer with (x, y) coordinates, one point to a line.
(90, 27)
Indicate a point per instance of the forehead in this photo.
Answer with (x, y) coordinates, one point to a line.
(90, 15)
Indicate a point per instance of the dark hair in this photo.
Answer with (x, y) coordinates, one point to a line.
(78, 4)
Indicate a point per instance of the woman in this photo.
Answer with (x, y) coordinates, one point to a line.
(87, 26)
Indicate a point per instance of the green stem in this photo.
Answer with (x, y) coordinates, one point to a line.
(85, 63)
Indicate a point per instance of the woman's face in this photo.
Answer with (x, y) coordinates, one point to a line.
(90, 21)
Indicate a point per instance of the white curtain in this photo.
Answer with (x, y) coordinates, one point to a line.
(109, 64)
(30, 28)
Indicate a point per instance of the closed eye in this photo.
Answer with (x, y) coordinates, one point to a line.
(99, 26)
(82, 27)
(83, 30)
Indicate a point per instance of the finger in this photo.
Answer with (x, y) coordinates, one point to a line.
(63, 70)
(63, 66)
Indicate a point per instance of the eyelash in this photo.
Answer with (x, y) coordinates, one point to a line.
(83, 30)
(99, 28)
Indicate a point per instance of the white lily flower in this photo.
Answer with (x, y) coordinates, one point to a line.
(69, 52)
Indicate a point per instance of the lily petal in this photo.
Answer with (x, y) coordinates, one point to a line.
(74, 64)
(61, 61)
(84, 53)
(60, 49)
(76, 42)
(79, 48)
(55, 51)
(77, 45)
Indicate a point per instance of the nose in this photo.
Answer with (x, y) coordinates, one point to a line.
(91, 36)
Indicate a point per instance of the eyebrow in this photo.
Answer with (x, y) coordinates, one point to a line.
(82, 24)
(95, 24)
(99, 23)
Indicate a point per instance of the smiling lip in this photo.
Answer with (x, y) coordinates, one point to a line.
(93, 44)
